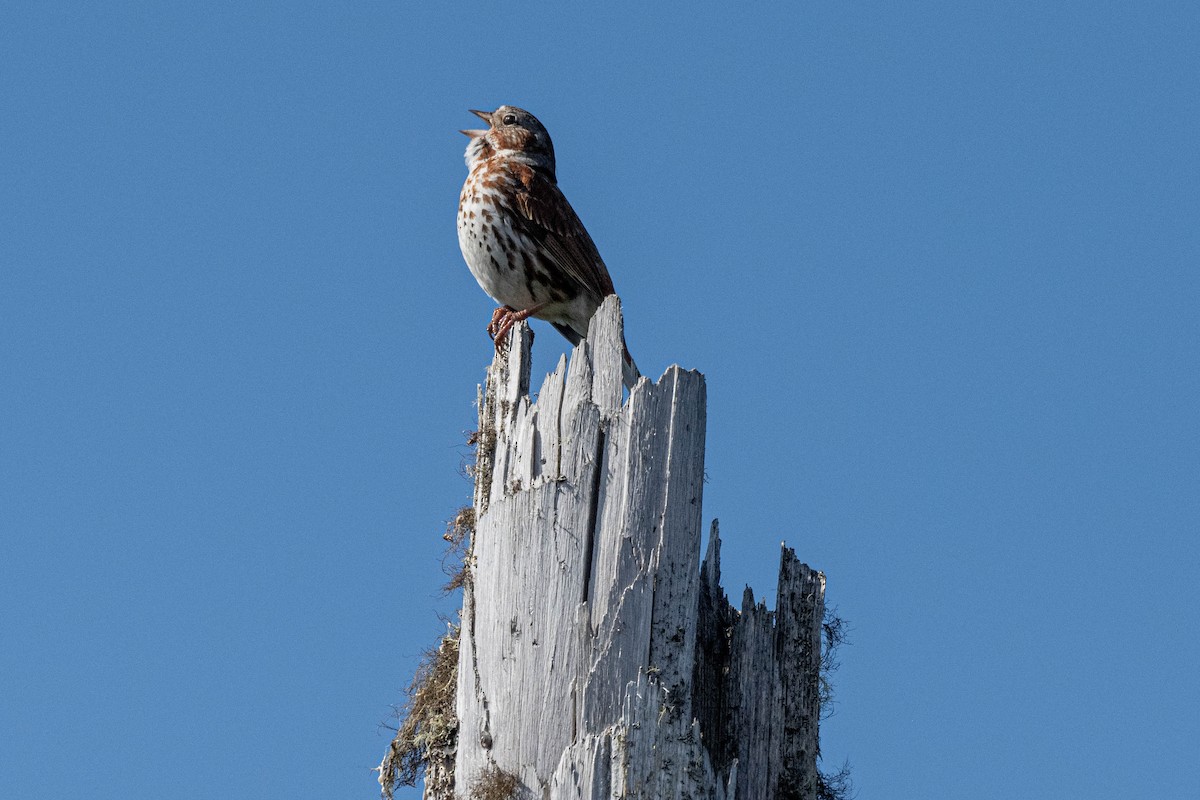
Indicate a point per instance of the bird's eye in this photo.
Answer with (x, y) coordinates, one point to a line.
(510, 119)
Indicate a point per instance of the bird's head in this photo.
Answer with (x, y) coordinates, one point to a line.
(514, 133)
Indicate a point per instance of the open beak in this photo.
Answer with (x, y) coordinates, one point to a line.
(486, 116)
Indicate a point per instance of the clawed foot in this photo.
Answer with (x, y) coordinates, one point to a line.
(503, 319)
(498, 318)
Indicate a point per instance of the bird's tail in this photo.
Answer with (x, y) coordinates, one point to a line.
(629, 370)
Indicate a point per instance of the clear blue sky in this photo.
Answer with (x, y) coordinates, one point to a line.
(938, 261)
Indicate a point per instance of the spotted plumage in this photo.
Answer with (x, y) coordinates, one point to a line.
(520, 237)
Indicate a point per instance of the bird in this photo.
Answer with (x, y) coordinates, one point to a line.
(520, 237)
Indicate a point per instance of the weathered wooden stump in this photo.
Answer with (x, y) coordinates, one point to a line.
(597, 659)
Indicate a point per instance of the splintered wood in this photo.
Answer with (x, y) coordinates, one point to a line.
(597, 660)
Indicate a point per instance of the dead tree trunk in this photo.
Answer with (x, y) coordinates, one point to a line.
(597, 658)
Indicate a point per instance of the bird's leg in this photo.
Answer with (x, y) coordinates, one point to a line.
(504, 318)
(497, 317)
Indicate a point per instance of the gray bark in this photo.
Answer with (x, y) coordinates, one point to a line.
(597, 659)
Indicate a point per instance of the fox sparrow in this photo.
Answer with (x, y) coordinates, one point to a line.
(520, 237)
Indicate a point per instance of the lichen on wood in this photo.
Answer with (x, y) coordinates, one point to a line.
(425, 740)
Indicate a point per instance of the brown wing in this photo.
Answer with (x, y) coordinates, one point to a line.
(556, 225)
